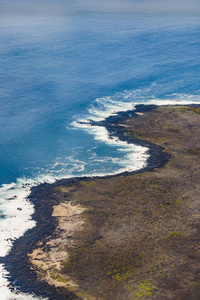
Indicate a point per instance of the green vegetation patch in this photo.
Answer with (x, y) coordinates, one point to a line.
(61, 279)
(85, 295)
(192, 151)
(54, 277)
(88, 183)
(134, 133)
(173, 234)
(65, 189)
(194, 109)
(145, 288)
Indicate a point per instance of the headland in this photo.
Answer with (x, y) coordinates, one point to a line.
(129, 236)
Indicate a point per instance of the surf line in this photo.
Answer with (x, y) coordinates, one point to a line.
(154, 158)
(20, 213)
(46, 224)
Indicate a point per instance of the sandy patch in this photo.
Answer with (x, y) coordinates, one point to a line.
(123, 125)
(50, 255)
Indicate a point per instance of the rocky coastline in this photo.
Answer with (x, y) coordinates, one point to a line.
(48, 196)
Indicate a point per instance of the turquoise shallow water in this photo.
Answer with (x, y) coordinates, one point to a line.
(63, 67)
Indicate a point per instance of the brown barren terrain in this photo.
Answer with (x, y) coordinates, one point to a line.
(132, 236)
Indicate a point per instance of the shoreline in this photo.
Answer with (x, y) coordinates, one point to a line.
(42, 229)
(41, 197)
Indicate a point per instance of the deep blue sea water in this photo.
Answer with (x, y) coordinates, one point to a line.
(57, 69)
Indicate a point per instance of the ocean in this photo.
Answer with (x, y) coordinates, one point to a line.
(61, 68)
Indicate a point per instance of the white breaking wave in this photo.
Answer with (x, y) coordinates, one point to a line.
(18, 212)
(7, 294)
(127, 100)
(13, 199)
(135, 157)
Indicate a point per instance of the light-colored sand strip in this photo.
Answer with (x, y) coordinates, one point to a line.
(123, 125)
(50, 255)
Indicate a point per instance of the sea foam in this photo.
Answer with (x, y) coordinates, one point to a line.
(18, 211)
(7, 294)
